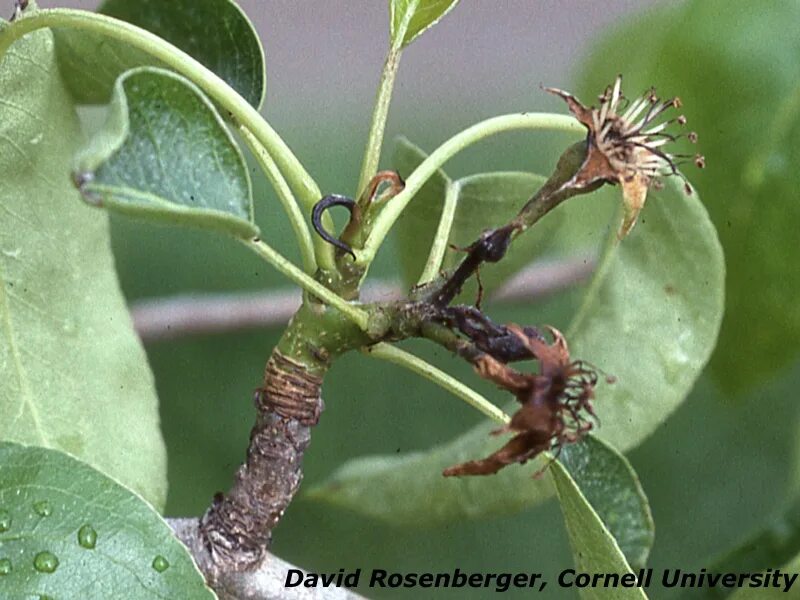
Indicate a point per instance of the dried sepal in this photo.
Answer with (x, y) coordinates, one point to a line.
(625, 145)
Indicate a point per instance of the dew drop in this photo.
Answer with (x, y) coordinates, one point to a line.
(45, 562)
(5, 566)
(87, 537)
(42, 508)
(160, 564)
(5, 520)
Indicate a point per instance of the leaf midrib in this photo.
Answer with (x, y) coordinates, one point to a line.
(26, 396)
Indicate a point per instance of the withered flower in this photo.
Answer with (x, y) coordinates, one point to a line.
(554, 402)
(626, 145)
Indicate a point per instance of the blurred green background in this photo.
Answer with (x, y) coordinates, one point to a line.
(721, 467)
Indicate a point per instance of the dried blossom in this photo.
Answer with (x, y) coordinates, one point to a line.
(554, 403)
(625, 145)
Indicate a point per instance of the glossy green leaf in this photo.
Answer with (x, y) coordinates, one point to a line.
(740, 92)
(68, 531)
(73, 375)
(424, 15)
(594, 549)
(609, 484)
(215, 32)
(650, 322)
(165, 154)
(484, 201)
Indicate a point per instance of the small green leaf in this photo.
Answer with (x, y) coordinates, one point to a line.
(666, 313)
(73, 374)
(701, 52)
(424, 14)
(215, 32)
(610, 486)
(164, 153)
(593, 547)
(68, 531)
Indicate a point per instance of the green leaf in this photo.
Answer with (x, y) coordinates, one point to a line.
(73, 375)
(68, 531)
(791, 569)
(701, 52)
(421, 15)
(665, 313)
(593, 547)
(164, 153)
(776, 544)
(657, 296)
(610, 486)
(416, 227)
(484, 201)
(217, 33)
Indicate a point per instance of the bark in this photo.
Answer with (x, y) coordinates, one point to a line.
(237, 528)
(265, 580)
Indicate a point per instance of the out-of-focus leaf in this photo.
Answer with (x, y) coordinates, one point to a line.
(769, 592)
(776, 544)
(593, 547)
(740, 93)
(610, 486)
(215, 32)
(649, 321)
(164, 153)
(68, 531)
(73, 375)
(425, 14)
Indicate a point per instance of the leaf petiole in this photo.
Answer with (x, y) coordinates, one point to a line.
(405, 359)
(384, 221)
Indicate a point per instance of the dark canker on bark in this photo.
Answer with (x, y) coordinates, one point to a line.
(238, 525)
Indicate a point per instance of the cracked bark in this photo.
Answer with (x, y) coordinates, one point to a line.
(238, 526)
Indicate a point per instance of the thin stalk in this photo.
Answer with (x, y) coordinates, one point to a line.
(286, 198)
(372, 155)
(440, 240)
(384, 221)
(405, 359)
(217, 89)
(308, 283)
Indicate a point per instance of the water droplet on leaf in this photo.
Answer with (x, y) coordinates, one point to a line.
(160, 564)
(42, 508)
(5, 566)
(87, 537)
(45, 562)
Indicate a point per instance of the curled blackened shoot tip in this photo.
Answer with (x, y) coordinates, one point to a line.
(319, 210)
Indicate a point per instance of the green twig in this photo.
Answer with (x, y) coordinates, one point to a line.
(445, 152)
(405, 359)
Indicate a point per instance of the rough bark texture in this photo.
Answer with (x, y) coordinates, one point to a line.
(265, 580)
(237, 527)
